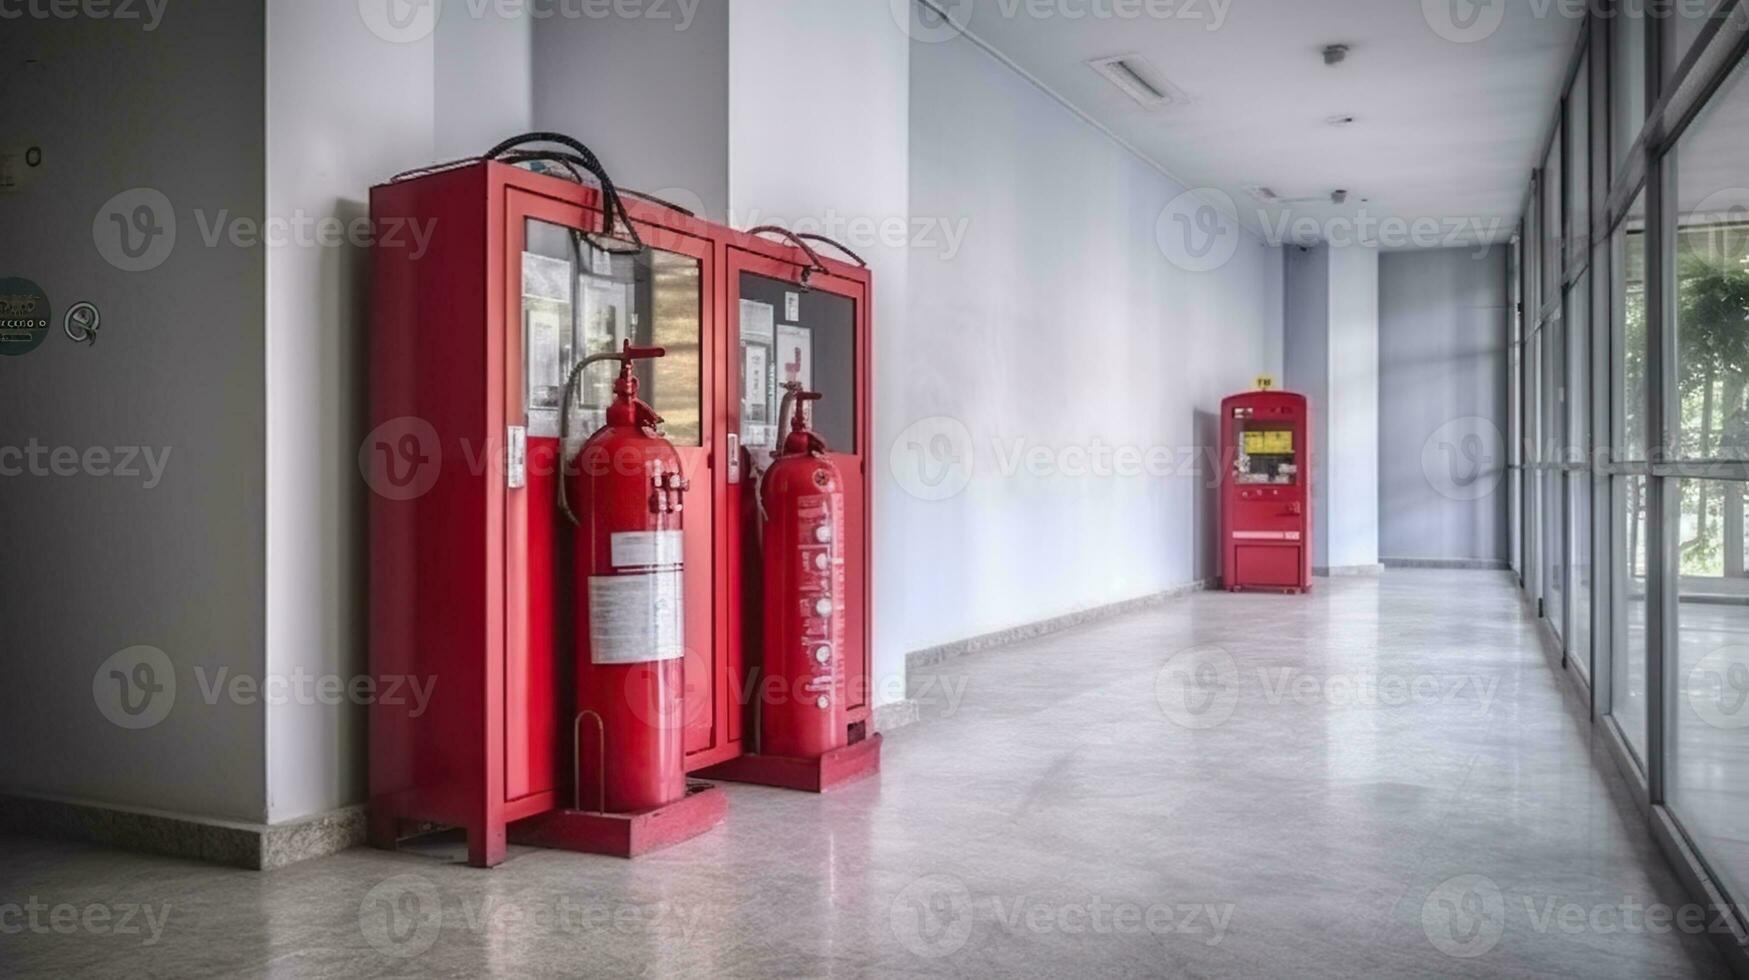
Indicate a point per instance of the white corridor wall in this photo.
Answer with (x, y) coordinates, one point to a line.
(1057, 331)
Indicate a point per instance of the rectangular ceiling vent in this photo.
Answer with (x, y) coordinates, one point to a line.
(1137, 79)
(1268, 195)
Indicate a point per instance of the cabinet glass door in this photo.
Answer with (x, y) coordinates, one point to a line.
(574, 299)
(784, 335)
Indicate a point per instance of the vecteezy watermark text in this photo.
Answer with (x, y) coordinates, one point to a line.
(936, 458)
(124, 462)
(410, 21)
(136, 230)
(41, 918)
(1199, 231)
(1201, 688)
(934, 916)
(405, 915)
(1381, 231)
(137, 688)
(150, 13)
(1470, 21)
(1211, 13)
(308, 687)
(301, 229)
(1465, 916)
(935, 21)
(917, 232)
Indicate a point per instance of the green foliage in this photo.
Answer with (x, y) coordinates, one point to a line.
(1712, 330)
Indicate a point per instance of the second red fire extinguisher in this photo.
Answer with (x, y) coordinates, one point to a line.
(628, 483)
(803, 710)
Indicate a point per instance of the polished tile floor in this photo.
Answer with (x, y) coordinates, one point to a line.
(1379, 779)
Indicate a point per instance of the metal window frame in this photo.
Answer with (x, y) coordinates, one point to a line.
(1673, 104)
(1601, 401)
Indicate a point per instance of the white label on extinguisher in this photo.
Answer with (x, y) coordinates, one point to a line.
(644, 549)
(635, 619)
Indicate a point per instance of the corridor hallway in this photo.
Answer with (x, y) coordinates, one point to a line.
(1382, 778)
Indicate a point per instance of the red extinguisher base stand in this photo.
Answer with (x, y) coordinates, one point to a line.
(827, 772)
(802, 625)
(626, 835)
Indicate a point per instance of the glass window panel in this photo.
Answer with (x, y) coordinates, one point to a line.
(1704, 549)
(1628, 662)
(1554, 571)
(1579, 161)
(1533, 389)
(1552, 223)
(1629, 331)
(1515, 411)
(1709, 765)
(1579, 536)
(817, 350)
(1551, 436)
(1627, 79)
(579, 300)
(1712, 277)
(1533, 262)
(1579, 484)
(1578, 388)
(674, 285)
(1515, 489)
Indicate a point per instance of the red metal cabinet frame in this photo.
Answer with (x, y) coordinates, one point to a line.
(459, 597)
(852, 462)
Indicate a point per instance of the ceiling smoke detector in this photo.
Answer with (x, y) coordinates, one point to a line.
(1335, 54)
(1137, 79)
(1338, 196)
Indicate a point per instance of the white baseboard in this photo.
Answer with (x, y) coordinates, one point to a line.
(930, 656)
(1347, 571)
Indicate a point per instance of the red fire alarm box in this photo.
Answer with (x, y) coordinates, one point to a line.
(1266, 503)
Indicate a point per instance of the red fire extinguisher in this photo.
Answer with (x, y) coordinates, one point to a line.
(630, 639)
(802, 714)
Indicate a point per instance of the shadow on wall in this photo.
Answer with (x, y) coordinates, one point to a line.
(1206, 496)
(319, 626)
(346, 343)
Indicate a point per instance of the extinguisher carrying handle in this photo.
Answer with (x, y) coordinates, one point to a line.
(835, 243)
(815, 264)
(612, 207)
(653, 199)
(630, 353)
(794, 395)
(625, 355)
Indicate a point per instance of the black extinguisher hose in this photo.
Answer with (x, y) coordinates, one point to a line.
(613, 209)
(565, 424)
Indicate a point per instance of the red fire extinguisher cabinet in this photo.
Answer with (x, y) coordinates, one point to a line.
(472, 319)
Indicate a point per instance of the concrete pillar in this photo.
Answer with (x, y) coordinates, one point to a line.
(1331, 354)
(785, 112)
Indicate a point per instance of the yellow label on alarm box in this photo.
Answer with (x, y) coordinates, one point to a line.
(1269, 442)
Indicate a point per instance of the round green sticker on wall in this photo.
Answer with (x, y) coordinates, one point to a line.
(24, 316)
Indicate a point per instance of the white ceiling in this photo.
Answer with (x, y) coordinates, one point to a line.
(1445, 130)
